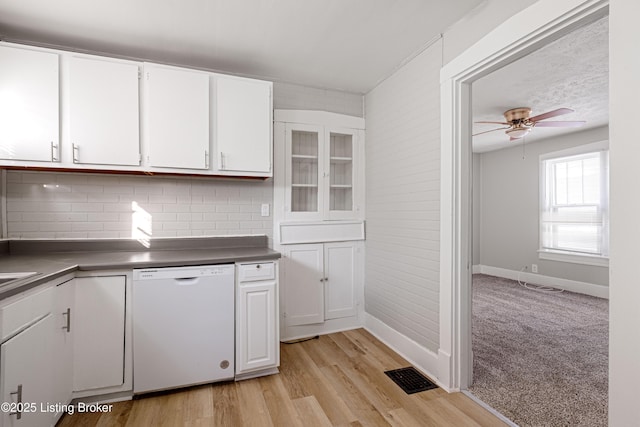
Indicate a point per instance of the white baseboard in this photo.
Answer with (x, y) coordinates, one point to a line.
(420, 357)
(592, 289)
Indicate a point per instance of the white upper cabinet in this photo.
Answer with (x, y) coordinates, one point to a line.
(29, 105)
(103, 111)
(176, 112)
(81, 111)
(242, 122)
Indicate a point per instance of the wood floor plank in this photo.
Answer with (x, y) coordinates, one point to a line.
(337, 380)
(198, 404)
(226, 405)
(311, 412)
(281, 409)
(335, 408)
(361, 407)
(118, 416)
(474, 411)
(402, 418)
(255, 412)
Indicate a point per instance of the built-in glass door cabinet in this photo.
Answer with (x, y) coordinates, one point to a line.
(29, 104)
(321, 173)
(103, 111)
(242, 120)
(176, 117)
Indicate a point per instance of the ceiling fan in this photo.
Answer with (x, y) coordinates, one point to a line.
(518, 123)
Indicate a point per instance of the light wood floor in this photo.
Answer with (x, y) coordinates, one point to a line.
(336, 380)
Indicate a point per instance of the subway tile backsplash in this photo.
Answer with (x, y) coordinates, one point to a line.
(77, 205)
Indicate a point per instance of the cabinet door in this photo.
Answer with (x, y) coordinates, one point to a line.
(257, 342)
(243, 120)
(340, 174)
(29, 105)
(26, 369)
(104, 111)
(303, 284)
(98, 328)
(63, 343)
(304, 175)
(177, 117)
(340, 278)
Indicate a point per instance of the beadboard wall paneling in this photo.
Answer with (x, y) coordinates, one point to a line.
(77, 205)
(403, 199)
(288, 96)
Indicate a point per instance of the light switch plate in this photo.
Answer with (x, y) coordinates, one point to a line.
(265, 209)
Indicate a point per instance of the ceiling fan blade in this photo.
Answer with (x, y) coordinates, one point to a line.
(568, 124)
(549, 114)
(494, 123)
(487, 131)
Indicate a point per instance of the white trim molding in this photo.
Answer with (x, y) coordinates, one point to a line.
(420, 357)
(586, 288)
(575, 258)
(541, 23)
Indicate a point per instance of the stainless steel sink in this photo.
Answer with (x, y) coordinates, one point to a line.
(6, 278)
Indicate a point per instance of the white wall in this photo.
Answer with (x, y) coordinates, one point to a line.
(403, 199)
(288, 96)
(624, 303)
(477, 23)
(509, 208)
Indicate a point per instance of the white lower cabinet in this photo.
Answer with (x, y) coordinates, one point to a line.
(98, 326)
(321, 282)
(257, 337)
(27, 375)
(63, 342)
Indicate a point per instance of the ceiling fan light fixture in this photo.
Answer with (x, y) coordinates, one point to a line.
(518, 132)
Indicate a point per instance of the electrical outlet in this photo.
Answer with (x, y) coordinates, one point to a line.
(534, 268)
(264, 211)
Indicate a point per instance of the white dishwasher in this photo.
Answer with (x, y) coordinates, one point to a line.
(183, 326)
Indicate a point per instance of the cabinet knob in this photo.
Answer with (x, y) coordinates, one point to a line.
(322, 279)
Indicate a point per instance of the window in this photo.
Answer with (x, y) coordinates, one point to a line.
(574, 204)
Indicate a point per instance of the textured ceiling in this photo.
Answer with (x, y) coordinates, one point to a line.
(571, 72)
(336, 44)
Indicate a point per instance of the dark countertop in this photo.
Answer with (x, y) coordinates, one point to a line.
(52, 259)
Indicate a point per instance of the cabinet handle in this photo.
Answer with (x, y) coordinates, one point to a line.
(18, 412)
(54, 149)
(75, 153)
(222, 161)
(206, 159)
(326, 279)
(68, 325)
(258, 266)
(322, 279)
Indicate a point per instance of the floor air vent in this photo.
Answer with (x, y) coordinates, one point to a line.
(410, 380)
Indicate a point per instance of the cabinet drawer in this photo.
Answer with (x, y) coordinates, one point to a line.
(21, 313)
(256, 271)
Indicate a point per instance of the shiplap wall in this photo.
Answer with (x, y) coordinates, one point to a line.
(76, 205)
(403, 199)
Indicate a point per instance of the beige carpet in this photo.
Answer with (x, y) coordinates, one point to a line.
(540, 359)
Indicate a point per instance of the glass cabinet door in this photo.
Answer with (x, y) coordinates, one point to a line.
(340, 172)
(304, 171)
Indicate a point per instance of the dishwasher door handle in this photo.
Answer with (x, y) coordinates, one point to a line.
(187, 281)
